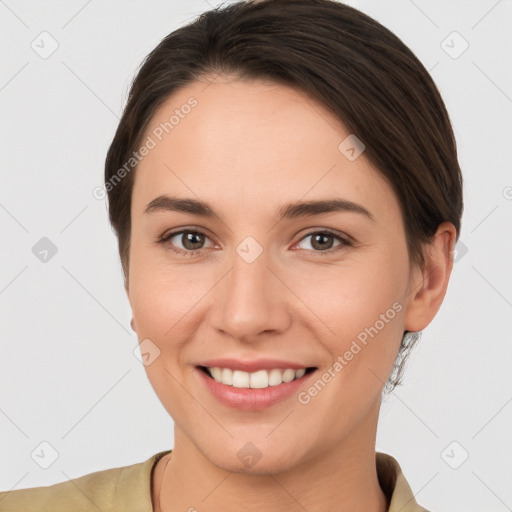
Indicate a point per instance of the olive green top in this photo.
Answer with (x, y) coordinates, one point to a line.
(128, 489)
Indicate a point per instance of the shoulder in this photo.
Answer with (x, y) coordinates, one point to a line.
(395, 486)
(123, 488)
(80, 494)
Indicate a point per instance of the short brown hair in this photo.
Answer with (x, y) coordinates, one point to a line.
(342, 58)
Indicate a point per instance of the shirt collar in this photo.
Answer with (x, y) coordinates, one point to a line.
(391, 479)
(395, 486)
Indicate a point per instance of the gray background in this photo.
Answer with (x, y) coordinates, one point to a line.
(68, 373)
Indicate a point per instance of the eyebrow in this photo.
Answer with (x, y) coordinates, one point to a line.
(288, 211)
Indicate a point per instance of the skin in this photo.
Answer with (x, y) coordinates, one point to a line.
(247, 148)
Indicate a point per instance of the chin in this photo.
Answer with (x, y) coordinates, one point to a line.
(258, 458)
(263, 466)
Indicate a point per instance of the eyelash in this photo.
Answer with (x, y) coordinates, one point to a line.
(345, 242)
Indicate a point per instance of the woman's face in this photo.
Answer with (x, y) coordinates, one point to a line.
(251, 284)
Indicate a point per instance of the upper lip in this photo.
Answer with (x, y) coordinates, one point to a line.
(252, 366)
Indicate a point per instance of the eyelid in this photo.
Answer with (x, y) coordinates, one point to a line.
(347, 239)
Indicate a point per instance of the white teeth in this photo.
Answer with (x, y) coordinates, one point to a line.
(275, 377)
(216, 373)
(240, 379)
(259, 379)
(227, 376)
(255, 380)
(300, 373)
(288, 375)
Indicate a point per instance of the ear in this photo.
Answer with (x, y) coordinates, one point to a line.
(428, 286)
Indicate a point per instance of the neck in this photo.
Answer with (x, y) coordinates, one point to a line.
(341, 478)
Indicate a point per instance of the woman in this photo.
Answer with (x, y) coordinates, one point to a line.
(286, 194)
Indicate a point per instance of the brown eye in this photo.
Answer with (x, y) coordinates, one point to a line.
(185, 242)
(192, 240)
(324, 241)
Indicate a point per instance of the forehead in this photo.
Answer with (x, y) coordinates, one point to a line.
(229, 113)
(253, 141)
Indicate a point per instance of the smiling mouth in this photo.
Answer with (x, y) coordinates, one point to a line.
(260, 379)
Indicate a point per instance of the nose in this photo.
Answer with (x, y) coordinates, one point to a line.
(251, 300)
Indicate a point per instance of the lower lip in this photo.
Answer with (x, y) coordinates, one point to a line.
(249, 399)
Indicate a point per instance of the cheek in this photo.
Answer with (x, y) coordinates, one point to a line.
(163, 307)
(359, 317)
(350, 298)
(161, 294)
(365, 321)
(168, 307)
